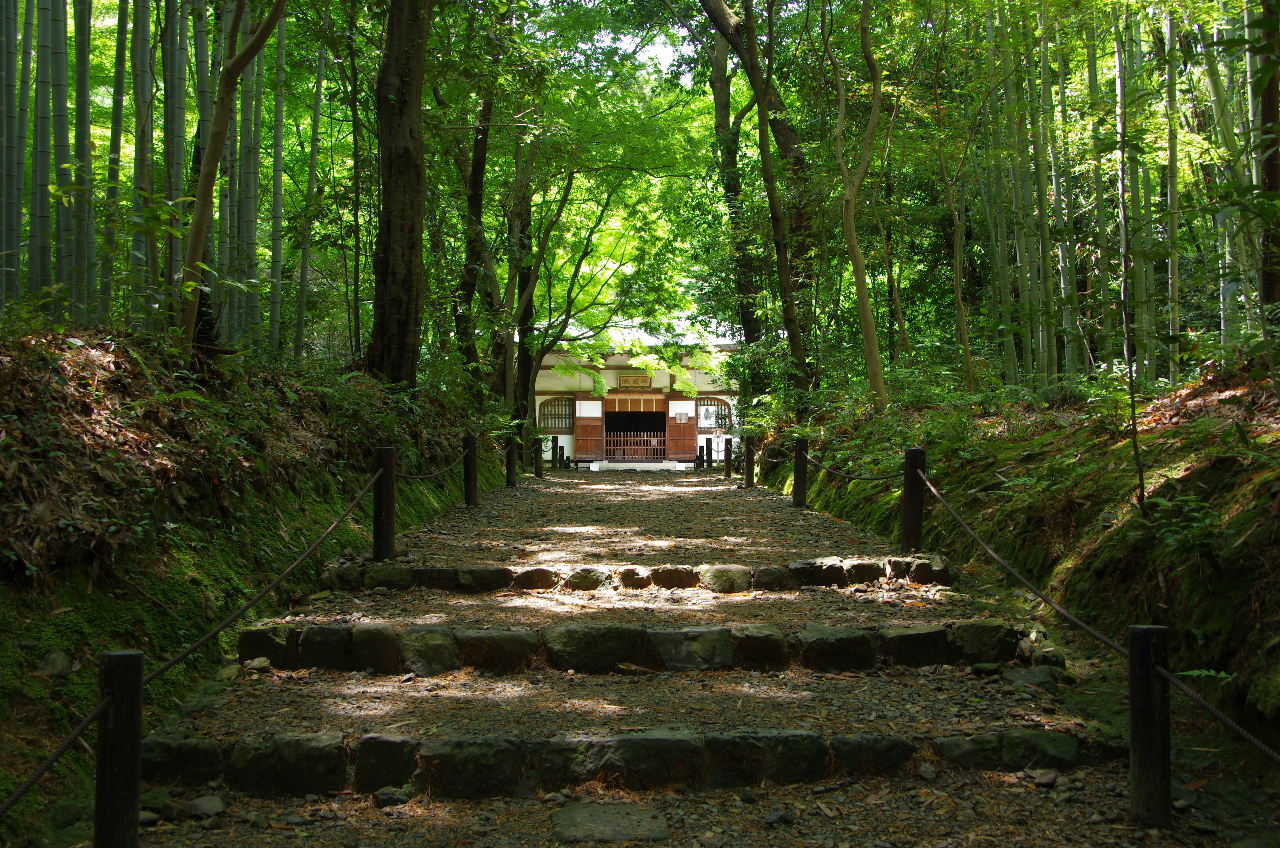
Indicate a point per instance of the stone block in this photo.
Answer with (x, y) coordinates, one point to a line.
(441, 578)
(694, 648)
(759, 646)
(823, 571)
(917, 646)
(535, 578)
(864, 570)
(751, 756)
(480, 580)
(278, 643)
(596, 648)
(931, 569)
(389, 575)
(375, 646)
(1012, 750)
(327, 646)
(985, 640)
(586, 578)
(429, 650)
(674, 577)
(835, 648)
(862, 753)
(384, 761)
(497, 650)
(471, 767)
(899, 568)
(347, 576)
(609, 823)
(180, 757)
(771, 578)
(635, 577)
(290, 764)
(725, 579)
(643, 760)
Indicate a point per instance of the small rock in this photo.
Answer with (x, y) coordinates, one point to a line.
(206, 806)
(778, 818)
(553, 798)
(711, 840)
(1044, 778)
(54, 664)
(390, 796)
(749, 796)
(927, 771)
(146, 818)
(295, 820)
(257, 664)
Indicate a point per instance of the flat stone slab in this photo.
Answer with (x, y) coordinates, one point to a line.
(609, 823)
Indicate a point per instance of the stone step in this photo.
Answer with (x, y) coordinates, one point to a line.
(403, 573)
(465, 734)
(600, 648)
(444, 766)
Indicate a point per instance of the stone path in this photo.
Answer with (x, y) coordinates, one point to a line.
(678, 638)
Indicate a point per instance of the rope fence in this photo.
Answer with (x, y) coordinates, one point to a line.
(438, 473)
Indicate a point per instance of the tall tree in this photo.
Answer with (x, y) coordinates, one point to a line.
(399, 279)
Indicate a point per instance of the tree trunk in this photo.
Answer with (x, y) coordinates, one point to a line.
(399, 280)
(304, 261)
(1269, 117)
(202, 209)
(86, 259)
(474, 265)
(852, 183)
(277, 196)
(106, 290)
(40, 279)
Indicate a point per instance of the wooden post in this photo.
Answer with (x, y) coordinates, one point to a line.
(384, 505)
(697, 462)
(728, 458)
(800, 475)
(537, 458)
(513, 461)
(115, 815)
(561, 459)
(555, 453)
(1149, 781)
(749, 462)
(912, 501)
(470, 480)
(710, 459)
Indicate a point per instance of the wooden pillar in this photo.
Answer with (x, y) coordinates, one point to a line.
(1149, 780)
(728, 458)
(800, 475)
(912, 520)
(749, 462)
(470, 476)
(115, 816)
(384, 505)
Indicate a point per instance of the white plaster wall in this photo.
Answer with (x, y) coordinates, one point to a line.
(565, 442)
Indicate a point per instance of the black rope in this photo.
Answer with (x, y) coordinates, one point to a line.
(52, 759)
(868, 478)
(231, 619)
(444, 470)
(1194, 696)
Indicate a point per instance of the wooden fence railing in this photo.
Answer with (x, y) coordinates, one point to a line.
(635, 447)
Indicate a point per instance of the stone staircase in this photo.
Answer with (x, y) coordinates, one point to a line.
(462, 670)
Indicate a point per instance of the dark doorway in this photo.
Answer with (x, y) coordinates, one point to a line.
(635, 436)
(635, 422)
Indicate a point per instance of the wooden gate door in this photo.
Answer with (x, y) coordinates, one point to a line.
(682, 431)
(588, 428)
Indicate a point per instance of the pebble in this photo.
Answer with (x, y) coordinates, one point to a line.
(206, 806)
(777, 818)
(927, 771)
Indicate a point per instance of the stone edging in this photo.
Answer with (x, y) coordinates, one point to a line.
(604, 648)
(824, 571)
(493, 766)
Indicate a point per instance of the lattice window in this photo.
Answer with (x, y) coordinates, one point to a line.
(555, 415)
(714, 414)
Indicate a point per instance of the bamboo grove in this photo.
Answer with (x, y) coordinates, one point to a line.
(1011, 191)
